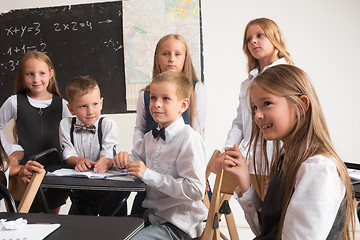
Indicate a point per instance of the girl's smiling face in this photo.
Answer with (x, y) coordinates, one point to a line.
(273, 114)
(37, 77)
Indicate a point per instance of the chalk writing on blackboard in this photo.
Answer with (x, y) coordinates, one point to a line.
(82, 39)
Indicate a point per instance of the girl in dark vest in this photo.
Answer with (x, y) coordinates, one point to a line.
(171, 54)
(37, 109)
(308, 192)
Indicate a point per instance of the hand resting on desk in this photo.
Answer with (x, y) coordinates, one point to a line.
(134, 168)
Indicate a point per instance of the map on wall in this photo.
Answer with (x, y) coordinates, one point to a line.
(144, 23)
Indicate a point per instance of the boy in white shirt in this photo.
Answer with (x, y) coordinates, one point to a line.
(89, 141)
(175, 160)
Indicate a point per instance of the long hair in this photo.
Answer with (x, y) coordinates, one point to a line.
(273, 33)
(188, 68)
(4, 161)
(20, 86)
(310, 136)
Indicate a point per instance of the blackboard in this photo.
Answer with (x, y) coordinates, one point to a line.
(84, 39)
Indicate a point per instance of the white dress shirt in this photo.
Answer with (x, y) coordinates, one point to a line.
(240, 131)
(175, 177)
(86, 144)
(8, 111)
(318, 193)
(199, 111)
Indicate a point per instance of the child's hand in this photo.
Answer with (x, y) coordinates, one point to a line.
(29, 169)
(219, 159)
(121, 159)
(136, 168)
(103, 164)
(83, 164)
(235, 164)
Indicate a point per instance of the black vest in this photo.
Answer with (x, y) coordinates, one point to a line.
(38, 128)
(272, 207)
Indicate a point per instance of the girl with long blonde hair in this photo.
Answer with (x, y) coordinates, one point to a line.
(308, 193)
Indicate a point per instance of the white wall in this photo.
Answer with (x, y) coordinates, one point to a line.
(322, 37)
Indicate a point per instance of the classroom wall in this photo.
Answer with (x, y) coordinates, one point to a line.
(322, 37)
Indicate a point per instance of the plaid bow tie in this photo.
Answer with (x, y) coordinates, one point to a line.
(156, 133)
(84, 128)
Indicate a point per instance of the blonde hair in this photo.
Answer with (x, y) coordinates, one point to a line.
(310, 136)
(80, 85)
(273, 33)
(179, 80)
(188, 68)
(20, 86)
(4, 159)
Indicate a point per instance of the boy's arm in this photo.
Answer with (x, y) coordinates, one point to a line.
(190, 166)
(68, 149)
(109, 143)
(69, 153)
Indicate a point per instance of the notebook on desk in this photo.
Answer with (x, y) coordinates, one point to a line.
(113, 174)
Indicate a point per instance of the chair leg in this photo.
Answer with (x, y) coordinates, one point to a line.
(211, 225)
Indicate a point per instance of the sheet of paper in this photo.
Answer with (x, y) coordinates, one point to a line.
(29, 232)
(119, 175)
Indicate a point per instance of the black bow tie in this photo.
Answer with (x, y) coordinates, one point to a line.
(156, 133)
(84, 128)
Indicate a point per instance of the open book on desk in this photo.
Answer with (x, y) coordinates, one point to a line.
(112, 174)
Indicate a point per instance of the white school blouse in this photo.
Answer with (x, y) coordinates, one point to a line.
(240, 131)
(175, 177)
(199, 111)
(86, 144)
(9, 110)
(311, 213)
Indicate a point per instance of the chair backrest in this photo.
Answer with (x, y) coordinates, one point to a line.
(224, 187)
(25, 193)
(9, 200)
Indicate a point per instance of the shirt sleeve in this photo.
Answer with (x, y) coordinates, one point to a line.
(8, 111)
(110, 138)
(190, 163)
(140, 126)
(235, 134)
(317, 197)
(200, 108)
(65, 109)
(68, 149)
(251, 204)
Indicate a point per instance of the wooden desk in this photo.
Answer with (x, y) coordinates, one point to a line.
(78, 183)
(83, 227)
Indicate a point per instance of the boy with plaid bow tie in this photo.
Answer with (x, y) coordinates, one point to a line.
(88, 142)
(171, 161)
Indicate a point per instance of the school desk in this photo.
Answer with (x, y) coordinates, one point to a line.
(83, 227)
(355, 182)
(77, 183)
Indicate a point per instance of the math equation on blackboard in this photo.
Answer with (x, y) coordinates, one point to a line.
(85, 39)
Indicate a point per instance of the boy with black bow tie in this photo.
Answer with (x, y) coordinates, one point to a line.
(88, 142)
(171, 161)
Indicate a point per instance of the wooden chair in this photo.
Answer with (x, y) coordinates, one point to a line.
(224, 187)
(25, 193)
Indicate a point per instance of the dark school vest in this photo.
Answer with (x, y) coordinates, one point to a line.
(38, 128)
(3, 181)
(150, 122)
(272, 207)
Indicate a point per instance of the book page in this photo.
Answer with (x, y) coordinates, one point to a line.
(113, 174)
